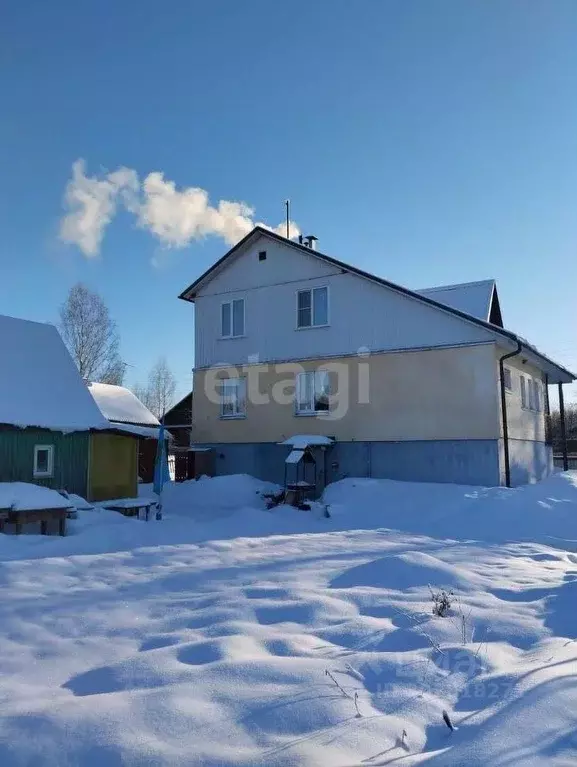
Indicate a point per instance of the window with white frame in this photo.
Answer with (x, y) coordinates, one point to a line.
(313, 390)
(524, 402)
(530, 394)
(507, 379)
(312, 307)
(536, 404)
(43, 460)
(233, 398)
(531, 397)
(232, 318)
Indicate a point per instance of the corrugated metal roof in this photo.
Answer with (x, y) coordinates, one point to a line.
(473, 298)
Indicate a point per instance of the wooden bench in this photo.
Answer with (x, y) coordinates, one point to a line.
(20, 517)
(132, 507)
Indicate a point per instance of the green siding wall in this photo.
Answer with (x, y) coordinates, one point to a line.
(70, 458)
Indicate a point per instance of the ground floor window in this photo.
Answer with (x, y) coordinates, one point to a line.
(43, 460)
(233, 398)
(313, 392)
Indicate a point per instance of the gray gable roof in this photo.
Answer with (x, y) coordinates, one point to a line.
(479, 299)
(553, 369)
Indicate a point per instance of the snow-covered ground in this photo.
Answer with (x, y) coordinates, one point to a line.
(230, 635)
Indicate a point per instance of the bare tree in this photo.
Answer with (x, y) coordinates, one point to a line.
(570, 424)
(91, 336)
(158, 394)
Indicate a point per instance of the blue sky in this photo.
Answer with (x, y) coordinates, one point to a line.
(429, 142)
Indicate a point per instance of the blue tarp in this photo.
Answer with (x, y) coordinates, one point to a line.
(161, 473)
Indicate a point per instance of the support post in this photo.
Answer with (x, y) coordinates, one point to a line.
(547, 409)
(563, 428)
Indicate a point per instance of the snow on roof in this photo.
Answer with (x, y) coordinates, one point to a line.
(294, 456)
(39, 382)
(22, 496)
(119, 404)
(150, 432)
(301, 441)
(473, 298)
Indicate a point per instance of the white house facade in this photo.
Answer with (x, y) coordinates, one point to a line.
(408, 384)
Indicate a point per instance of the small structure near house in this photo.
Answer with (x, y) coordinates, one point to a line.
(301, 477)
(192, 462)
(128, 414)
(179, 420)
(300, 473)
(51, 431)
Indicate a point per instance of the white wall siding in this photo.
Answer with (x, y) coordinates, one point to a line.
(283, 264)
(361, 313)
(523, 423)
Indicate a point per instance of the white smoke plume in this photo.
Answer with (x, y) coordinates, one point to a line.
(175, 217)
(91, 205)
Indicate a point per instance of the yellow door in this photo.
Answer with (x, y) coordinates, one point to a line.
(113, 467)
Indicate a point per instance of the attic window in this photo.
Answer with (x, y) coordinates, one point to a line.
(262, 255)
(43, 460)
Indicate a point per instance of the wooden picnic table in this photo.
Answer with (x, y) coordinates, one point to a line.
(19, 517)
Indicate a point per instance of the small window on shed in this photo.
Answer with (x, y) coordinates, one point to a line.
(43, 460)
(262, 255)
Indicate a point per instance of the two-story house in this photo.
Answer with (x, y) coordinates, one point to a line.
(424, 386)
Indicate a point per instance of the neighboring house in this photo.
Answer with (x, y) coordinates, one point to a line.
(190, 462)
(291, 341)
(179, 420)
(127, 413)
(51, 431)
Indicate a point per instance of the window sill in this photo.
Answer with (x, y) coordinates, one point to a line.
(230, 338)
(232, 417)
(313, 327)
(313, 414)
(43, 475)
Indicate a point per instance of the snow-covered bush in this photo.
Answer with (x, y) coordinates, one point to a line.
(442, 601)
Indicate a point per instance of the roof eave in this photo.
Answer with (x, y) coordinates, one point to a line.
(556, 373)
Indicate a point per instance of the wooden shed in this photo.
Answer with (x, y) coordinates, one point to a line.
(51, 431)
(98, 465)
(179, 420)
(128, 414)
